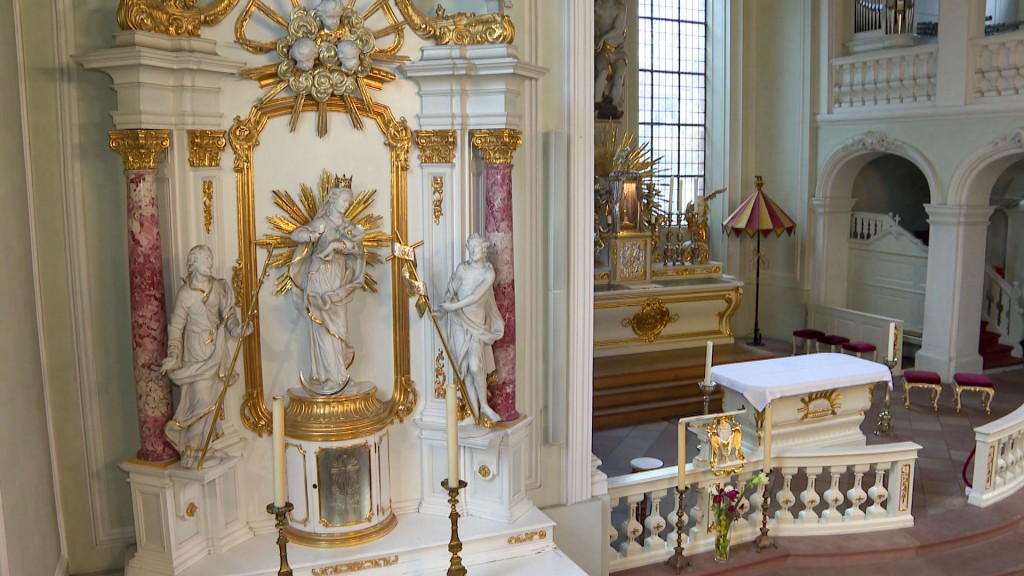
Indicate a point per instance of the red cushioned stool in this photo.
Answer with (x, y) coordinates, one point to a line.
(831, 340)
(974, 383)
(922, 379)
(861, 347)
(807, 334)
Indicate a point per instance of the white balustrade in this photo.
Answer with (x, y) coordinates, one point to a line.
(998, 65)
(854, 475)
(1002, 309)
(998, 460)
(898, 76)
(865, 225)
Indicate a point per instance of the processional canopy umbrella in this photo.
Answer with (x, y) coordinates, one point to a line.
(759, 213)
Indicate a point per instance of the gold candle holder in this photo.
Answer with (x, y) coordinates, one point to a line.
(764, 541)
(677, 560)
(455, 568)
(885, 417)
(281, 514)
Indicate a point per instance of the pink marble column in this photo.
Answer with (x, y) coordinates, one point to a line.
(139, 150)
(498, 147)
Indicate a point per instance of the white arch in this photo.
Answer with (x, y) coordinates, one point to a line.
(836, 177)
(975, 176)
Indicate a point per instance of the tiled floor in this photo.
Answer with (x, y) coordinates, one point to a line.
(946, 438)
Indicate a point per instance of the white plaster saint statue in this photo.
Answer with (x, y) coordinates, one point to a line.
(304, 52)
(476, 324)
(198, 354)
(610, 57)
(329, 12)
(327, 273)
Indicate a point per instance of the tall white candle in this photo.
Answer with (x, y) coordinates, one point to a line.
(707, 363)
(453, 435)
(677, 194)
(769, 412)
(278, 434)
(890, 350)
(681, 481)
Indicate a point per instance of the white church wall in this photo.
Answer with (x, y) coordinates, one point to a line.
(30, 527)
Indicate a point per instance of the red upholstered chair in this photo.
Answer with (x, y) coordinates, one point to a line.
(974, 383)
(807, 334)
(831, 340)
(922, 379)
(859, 348)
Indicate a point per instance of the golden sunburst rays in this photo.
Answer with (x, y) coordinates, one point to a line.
(300, 211)
(614, 154)
(328, 51)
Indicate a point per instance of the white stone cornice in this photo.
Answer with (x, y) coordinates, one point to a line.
(962, 215)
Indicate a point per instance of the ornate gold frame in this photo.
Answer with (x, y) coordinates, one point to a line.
(244, 138)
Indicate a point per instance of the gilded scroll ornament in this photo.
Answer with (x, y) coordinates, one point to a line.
(171, 17)
(207, 205)
(139, 149)
(436, 146)
(821, 404)
(651, 320)
(527, 537)
(484, 471)
(440, 378)
(437, 193)
(460, 28)
(356, 566)
(205, 147)
(498, 145)
(725, 446)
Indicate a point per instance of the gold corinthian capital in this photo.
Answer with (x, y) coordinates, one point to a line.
(436, 146)
(498, 145)
(204, 148)
(139, 149)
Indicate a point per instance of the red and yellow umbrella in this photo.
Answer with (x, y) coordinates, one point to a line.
(759, 213)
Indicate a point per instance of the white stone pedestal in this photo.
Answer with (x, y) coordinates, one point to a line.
(491, 462)
(182, 516)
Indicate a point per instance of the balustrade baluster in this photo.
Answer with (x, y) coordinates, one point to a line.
(834, 496)
(878, 492)
(810, 497)
(699, 530)
(613, 534)
(785, 497)
(632, 528)
(857, 495)
(754, 516)
(1001, 476)
(654, 524)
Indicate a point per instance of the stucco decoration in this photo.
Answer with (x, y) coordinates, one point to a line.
(874, 142)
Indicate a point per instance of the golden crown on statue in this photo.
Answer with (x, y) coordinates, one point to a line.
(342, 181)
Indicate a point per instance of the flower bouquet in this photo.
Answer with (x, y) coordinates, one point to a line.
(729, 504)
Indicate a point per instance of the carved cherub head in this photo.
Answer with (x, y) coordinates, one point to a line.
(330, 13)
(348, 55)
(304, 52)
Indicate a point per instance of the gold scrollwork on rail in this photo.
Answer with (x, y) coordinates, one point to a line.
(651, 320)
(171, 17)
(460, 28)
(904, 487)
(820, 404)
(725, 446)
(356, 566)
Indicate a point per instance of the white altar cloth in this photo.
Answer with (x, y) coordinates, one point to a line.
(762, 381)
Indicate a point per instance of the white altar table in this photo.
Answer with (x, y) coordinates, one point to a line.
(819, 399)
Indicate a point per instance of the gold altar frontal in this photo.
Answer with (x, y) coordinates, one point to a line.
(337, 453)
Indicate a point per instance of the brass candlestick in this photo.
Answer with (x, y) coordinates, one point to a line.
(677, 560)
(455, 544)
(282, 541)
(764, 541)
(707, 389)
(884, 417)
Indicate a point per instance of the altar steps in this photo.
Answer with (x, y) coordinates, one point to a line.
(636, 388)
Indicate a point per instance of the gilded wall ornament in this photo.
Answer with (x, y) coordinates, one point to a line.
(436, 146)
(873, 141)
(497, 145)
(207, 205)
(139, 149)
(725, 441)
(328, 51)
(171, 17)
(356, 566)
(205, 147)
(440, 378)
(459, 28)
(821, 404)
(652, 318)
(437, 193)
(527, 537)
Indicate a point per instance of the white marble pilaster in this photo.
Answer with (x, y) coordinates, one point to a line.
(831, 250)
